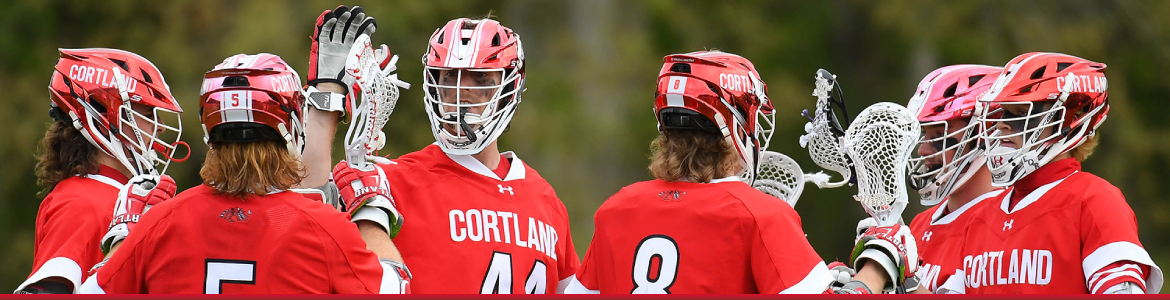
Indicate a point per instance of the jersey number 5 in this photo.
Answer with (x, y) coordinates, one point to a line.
(498, 279)
(220, 271)
(653, 249)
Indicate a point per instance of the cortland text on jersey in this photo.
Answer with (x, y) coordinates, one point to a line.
(1023, 266)
(489, 226)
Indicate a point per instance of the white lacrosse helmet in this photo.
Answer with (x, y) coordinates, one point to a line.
(481, 47)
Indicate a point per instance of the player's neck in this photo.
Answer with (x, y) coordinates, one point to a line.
(977, 185)
(489, 157)
(110, 161)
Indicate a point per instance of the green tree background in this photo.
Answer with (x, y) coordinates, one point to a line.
(586, 121)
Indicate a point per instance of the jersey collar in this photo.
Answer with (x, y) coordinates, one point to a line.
(515, 172)
(725, 179)
(109, 176)
(939, 219)
(1031, 197)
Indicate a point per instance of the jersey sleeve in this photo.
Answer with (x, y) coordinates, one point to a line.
(353, 269)
(1109, 235)
(568, 262)
(586, 280)
(69, 246)
(782, 259)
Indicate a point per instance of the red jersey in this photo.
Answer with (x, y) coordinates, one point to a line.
(468, 231)
(1056, 238)
(722, 237)
(70, 224)
(940, 237)
(281, 243)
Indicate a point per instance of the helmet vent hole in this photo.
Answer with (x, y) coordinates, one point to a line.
(235, 81)
(146, 77)
(121, 63)
(1038, 73)
(1062, 66)
(97, 105)
(950, 92)
(681, 68)
(440, 38)
(496, 40)
(971, 81)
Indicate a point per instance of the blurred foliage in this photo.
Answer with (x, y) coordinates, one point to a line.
(586, 121)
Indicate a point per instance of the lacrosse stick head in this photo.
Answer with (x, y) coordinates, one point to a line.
(779, 176)
(879, 142)
(825, 130)
(374, 95)
(720, 93)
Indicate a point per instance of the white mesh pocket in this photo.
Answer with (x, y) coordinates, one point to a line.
(779, 176)
(379, 94)
(879, 141)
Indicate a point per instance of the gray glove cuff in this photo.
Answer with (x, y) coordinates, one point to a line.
(325, 101)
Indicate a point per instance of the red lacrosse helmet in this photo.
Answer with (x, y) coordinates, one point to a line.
(720, 93)
(1056, 88)
(480, 46)
(105, 93)
(948, 93)
(253, 97)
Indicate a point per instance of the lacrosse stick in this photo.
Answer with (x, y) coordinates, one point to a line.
(781, 177)
(879, 142)
(824, 130)
(379, 93)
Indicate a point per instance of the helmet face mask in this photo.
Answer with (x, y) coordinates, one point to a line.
(473, 77)
(121, 103)
(469, 108)
(952, 159)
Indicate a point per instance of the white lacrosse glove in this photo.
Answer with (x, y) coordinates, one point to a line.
(843, 282)
(333, 35)
(892, 247)
(134, 199)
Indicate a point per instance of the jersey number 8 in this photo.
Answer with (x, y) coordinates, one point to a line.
(655, 248)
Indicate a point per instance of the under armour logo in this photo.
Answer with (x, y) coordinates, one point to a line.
(926, 236)
(1008, 224)
(503, 188)
(998, 160)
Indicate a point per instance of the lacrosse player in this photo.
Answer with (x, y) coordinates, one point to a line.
(700, 227)
(1057, 229)
(949, 165)
(110, 110)
(481, 221)
(242, 230)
